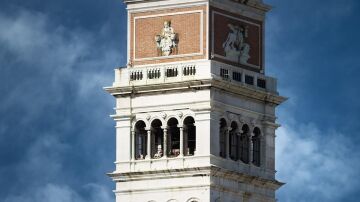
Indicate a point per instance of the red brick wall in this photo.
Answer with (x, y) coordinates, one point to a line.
(187, 26)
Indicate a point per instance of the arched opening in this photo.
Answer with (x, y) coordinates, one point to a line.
(193, 200)
(256, 146)
(140, 140)
(233, 141)
(157, 139)
(244, 144)
(173, 137)
(189, 136)
(223, 129)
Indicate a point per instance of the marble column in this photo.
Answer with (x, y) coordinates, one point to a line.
(251, 147)
(181, 128)
(133, 145)
(148, 153)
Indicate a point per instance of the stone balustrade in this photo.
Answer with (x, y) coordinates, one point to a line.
(193, 71)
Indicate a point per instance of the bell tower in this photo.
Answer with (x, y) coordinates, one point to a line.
(195, 112)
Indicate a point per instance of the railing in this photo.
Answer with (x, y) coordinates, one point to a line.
(153, 73)
(171, 72)
(189, 71)
(158, 72)
(136, 75)
(224, 73)
(247, 77)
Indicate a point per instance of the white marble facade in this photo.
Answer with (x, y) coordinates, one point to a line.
(204, 175)
(174, 133)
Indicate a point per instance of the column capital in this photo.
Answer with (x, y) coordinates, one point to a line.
(251, 134)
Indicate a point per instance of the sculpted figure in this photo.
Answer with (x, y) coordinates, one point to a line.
(166, 41)
(235, 48)
(159, 152)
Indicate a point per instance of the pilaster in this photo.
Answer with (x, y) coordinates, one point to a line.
(123, 139)
(203, 131)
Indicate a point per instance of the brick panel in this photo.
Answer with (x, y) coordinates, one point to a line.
(186, 22)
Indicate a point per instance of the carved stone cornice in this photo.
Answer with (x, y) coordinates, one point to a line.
(231, 87)
(156, 88)
(211, 171)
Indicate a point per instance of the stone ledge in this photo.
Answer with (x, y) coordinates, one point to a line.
(209, 171)
(230, 87)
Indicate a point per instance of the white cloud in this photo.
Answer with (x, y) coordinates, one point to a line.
(58, 56)
(58, 193)
(316, 164)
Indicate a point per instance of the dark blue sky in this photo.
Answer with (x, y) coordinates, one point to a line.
(57, 140)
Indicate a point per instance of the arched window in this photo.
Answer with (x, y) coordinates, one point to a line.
(193, 200)
(189, 136)
(157, 139)
(173, 137)
(256, 147)
(140, 140)
(223, 128)
(233, 141)
(244, 144)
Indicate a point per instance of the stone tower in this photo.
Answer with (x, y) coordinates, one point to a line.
(195, 113)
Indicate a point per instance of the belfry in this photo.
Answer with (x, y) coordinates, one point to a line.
(195, 112)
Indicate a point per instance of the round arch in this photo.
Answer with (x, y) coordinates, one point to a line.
(256, 144)
(173, 117)
(234, 141)
(163, 122)
(226, 119)
(157, 138)
(223, 129)
(173, 137)
(189, 136)
(140, 140)
(135, 120)
(244, 144)
(193, 199)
